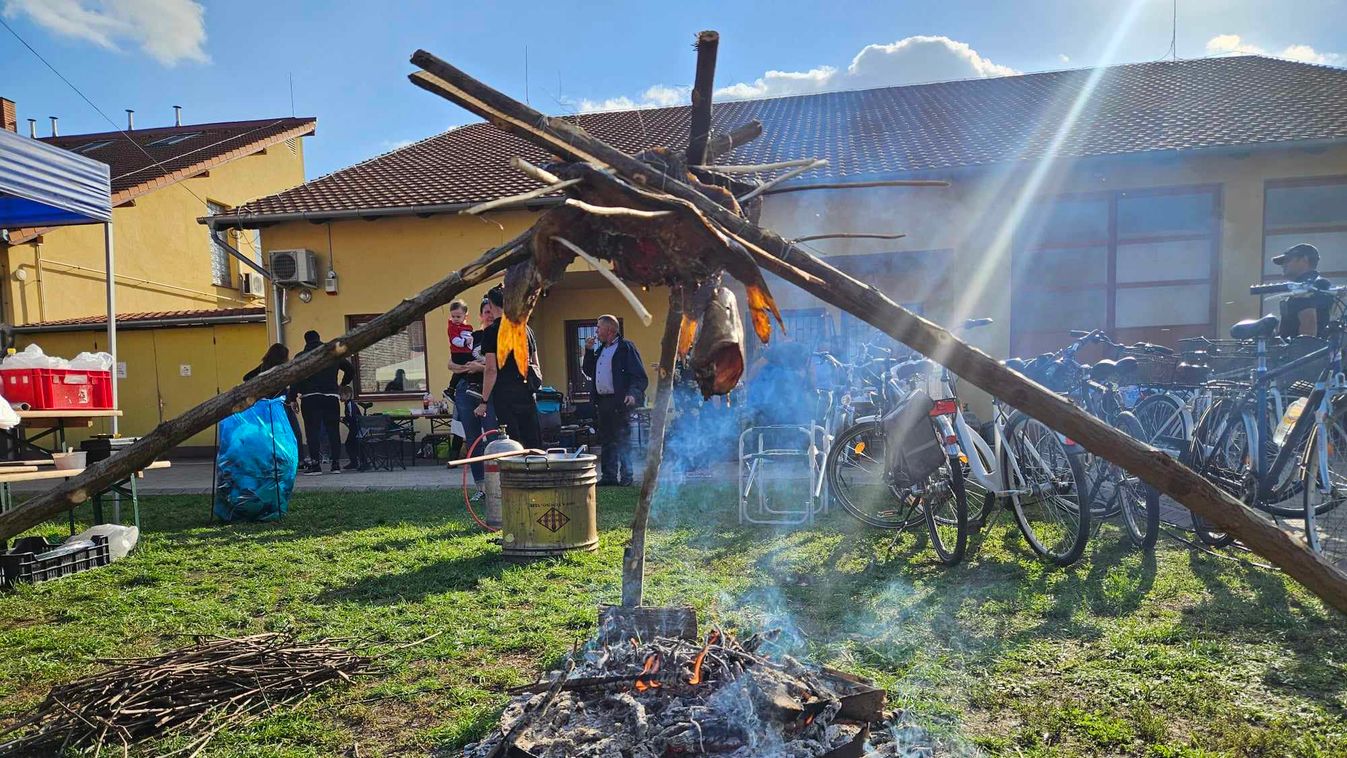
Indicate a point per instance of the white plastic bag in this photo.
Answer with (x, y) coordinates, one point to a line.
(8, 418)
(121, 539)
(33, 357)
(92, 362)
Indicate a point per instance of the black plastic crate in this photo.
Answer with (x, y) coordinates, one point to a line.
(101, 446)
(34, 560)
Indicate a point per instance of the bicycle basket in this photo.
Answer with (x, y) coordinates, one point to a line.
(1153, 368)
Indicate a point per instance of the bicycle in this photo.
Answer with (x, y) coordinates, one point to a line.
(867, 472)
(1285, 472)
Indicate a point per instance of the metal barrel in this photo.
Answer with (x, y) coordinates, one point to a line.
(547, 505)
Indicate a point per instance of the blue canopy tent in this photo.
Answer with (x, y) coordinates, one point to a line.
(42, 185)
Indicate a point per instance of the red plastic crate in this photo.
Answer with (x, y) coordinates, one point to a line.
(56, 389)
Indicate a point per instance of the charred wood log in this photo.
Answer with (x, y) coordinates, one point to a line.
(835, 287)
(102, 475)
(708, 43)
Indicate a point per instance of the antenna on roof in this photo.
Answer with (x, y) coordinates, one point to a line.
(526, 75)
(1174, 31)
(292, 94)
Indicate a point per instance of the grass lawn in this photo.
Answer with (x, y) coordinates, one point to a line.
(1179, 654)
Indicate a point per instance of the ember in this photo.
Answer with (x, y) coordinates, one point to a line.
(668, 697)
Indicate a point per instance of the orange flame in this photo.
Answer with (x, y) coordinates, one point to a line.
(711, 639)
(648, 670)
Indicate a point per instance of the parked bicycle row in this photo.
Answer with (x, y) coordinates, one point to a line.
(1262, 416)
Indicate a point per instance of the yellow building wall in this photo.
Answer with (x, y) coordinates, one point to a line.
(380, 262)
(154, 388)
(163, 256)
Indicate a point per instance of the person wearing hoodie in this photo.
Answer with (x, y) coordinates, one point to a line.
(320, 405)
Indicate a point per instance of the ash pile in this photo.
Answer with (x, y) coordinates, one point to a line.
(671, 697)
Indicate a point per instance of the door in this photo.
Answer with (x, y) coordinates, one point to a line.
(187, 374)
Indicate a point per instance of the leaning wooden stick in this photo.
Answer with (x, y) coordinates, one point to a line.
(633, 558)
(99, 476)
(869, 304)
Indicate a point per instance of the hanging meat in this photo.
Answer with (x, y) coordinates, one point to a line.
(650, 240)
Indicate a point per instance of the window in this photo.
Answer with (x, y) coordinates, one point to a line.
(576, 333)
(172, 139)
(219, 255)
(89, 147)
(1310, 210)
(1137, 264)
(393, 366)
(811, 327)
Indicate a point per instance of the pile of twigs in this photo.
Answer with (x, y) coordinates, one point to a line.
(215, 683)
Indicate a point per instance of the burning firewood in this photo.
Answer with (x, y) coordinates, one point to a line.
(668, 697)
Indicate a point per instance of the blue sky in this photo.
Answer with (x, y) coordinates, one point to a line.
(232, 60)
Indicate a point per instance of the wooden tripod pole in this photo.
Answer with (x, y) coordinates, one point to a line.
(826, 282)
(633, 558)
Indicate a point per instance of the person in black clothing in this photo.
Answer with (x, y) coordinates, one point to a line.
(617, 383)
(275, 356)
(320, 404)
(398, 383)
(1310, 313)
(506, 389)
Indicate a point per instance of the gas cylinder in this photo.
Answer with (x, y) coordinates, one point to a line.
(501, 444)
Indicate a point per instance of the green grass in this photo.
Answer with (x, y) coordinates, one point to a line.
(1176, 654)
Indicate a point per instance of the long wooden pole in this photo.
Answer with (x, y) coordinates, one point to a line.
(708, 43)
(105, 473)
(833, 286)
(633, 558)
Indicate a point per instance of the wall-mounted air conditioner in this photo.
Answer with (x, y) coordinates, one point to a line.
(252, 284)
(294, 268)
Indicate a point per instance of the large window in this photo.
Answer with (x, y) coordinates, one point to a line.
(1306, 210)
(219, 256)
(394, 366)
(1138, 264)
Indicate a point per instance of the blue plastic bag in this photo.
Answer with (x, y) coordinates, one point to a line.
(256, 464)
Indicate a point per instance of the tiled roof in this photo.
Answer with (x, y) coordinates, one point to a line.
(155, 318)
(198, 148)
(207, 143)
(867, 134)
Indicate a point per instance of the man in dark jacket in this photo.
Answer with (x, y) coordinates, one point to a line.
(617, 383)
(320, 404)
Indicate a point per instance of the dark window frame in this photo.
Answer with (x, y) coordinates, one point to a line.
(1291, 183)
(354, 320)
(575, 381)
(1111, 285)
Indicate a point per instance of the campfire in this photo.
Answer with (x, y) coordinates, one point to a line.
(671, 697)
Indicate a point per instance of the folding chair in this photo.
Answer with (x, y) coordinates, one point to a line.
(780, 470)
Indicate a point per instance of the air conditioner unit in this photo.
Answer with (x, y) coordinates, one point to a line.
(294, 268)
(252, 284)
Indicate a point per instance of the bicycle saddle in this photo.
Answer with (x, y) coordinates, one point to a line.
(1014, 364)
(1255, 328)
(1102, 370)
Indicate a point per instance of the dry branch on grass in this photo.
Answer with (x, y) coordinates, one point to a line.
(201, 689)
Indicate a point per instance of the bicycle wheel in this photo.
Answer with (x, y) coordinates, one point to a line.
(1047, 502)
(1219, 451)
(857, 481)
(946, 505)
(1138, 501)
(1325, 489)
(1164, 424)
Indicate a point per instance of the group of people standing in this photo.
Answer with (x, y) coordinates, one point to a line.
(486, 395)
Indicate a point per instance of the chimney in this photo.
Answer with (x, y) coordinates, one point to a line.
(177, 115)
(54, 131)
(130, 120)
(11, 114)
(32, 128)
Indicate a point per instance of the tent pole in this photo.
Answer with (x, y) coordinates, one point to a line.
(112, 314)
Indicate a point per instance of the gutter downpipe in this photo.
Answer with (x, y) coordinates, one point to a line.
(112, 320)
(222, 242)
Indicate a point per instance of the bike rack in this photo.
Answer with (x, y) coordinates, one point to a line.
(766, 462)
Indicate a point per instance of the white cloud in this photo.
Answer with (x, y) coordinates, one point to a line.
(1063, 57)
(913, 60)
(170, 31)
(1233, 44)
